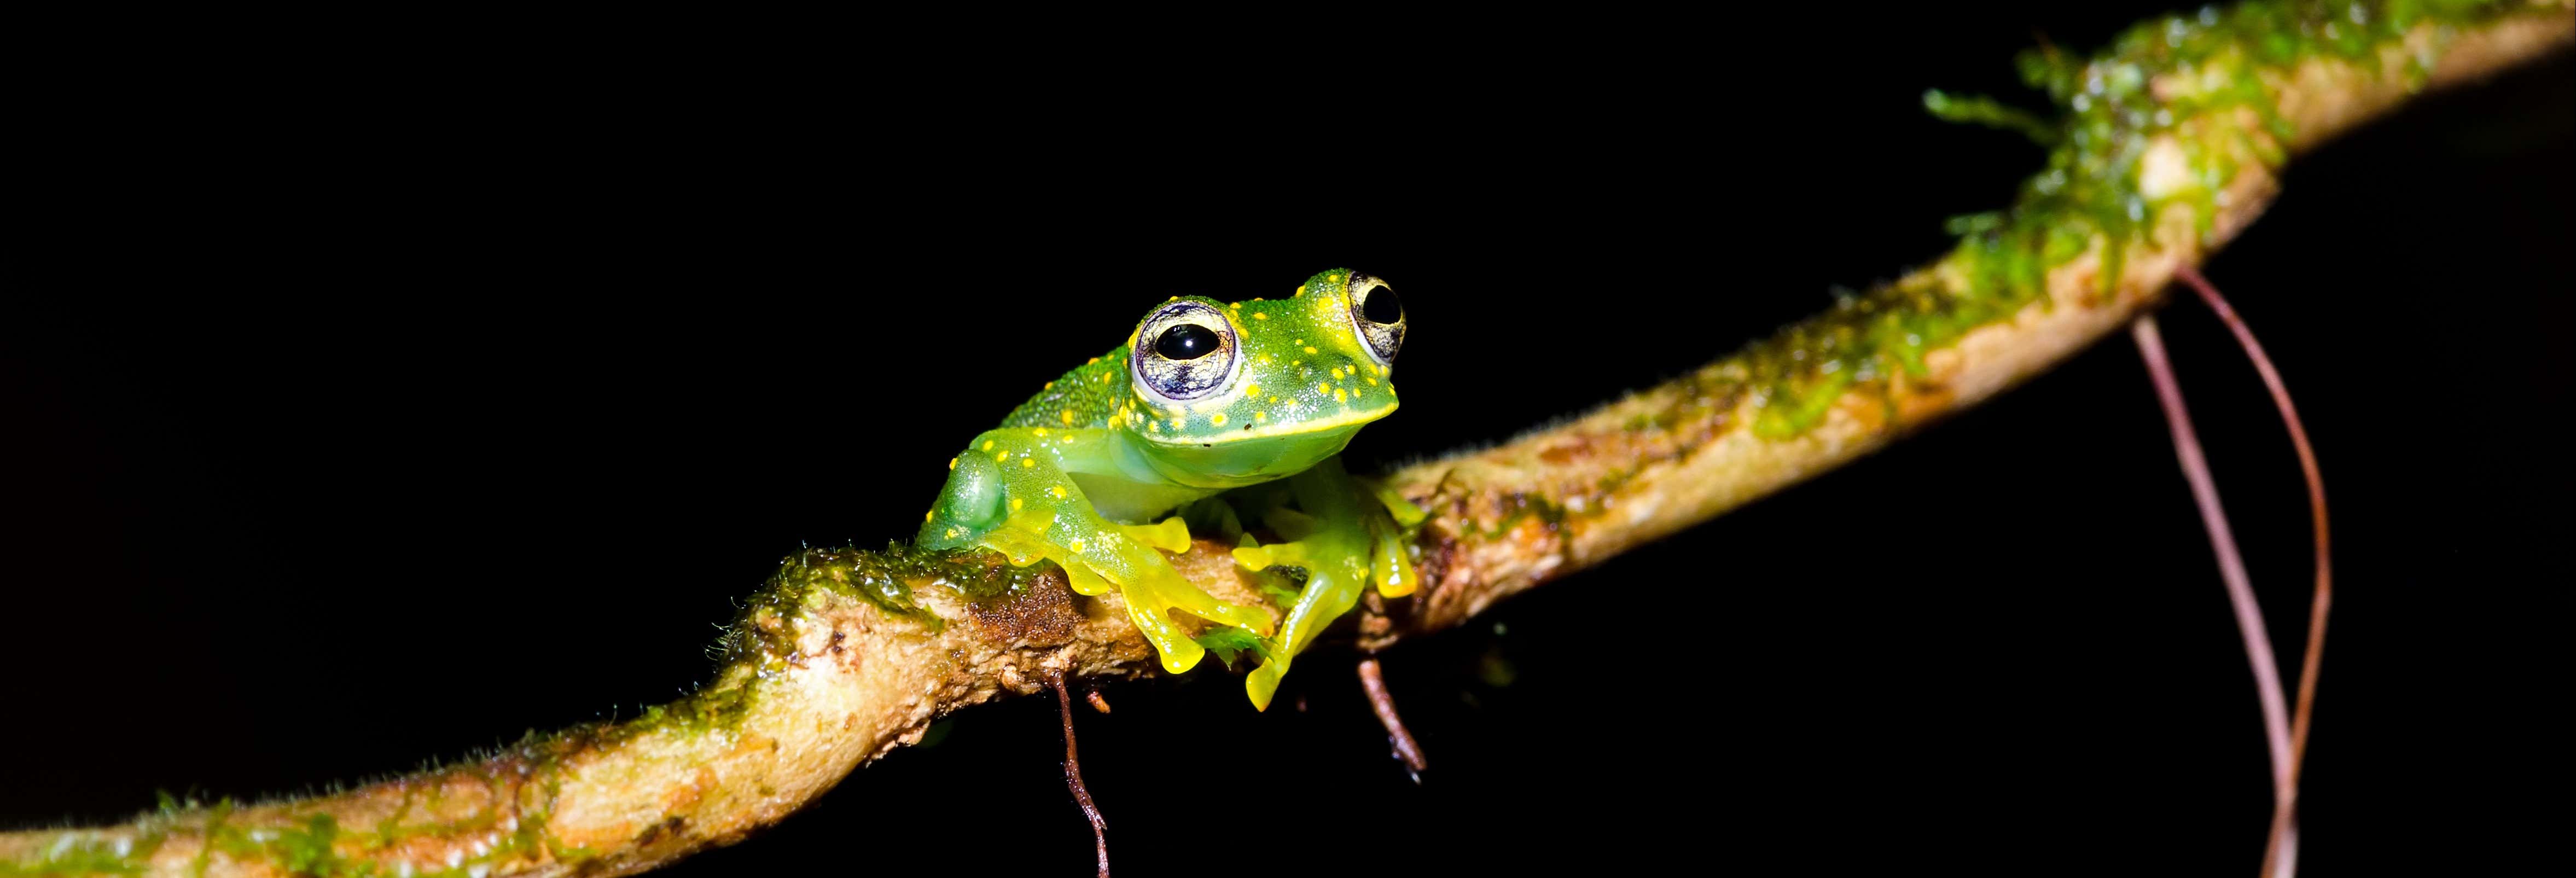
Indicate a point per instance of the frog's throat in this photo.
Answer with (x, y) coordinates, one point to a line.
(1351, 419)
(1218, 466)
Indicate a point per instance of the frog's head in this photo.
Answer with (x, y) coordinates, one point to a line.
(1233, 394)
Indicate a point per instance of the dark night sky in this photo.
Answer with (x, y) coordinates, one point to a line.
(344, 434)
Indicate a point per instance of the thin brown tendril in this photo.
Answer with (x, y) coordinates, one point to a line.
(2283, 847)
(1406, 751)
(1073, 772)
(2231, 567)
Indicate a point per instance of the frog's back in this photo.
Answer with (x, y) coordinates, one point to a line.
(1085, 398)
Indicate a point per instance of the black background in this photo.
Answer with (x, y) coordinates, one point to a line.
(357, 421)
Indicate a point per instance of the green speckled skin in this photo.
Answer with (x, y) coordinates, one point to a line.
(1077, 474)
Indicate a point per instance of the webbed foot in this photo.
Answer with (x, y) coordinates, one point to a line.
(1109, 556)
(1010, 493)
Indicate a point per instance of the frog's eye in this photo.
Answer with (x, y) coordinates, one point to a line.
(1185, 341)
(1378, 316)
(1184, 351)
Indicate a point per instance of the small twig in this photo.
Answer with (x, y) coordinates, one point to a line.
(1406, 751)
(1073, 771)
(2284, 846)
(1097, 703)
(2231, 567)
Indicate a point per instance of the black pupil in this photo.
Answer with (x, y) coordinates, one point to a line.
(1382, 307)
(1188, 341)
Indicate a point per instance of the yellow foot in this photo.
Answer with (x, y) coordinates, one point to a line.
(1124, 557)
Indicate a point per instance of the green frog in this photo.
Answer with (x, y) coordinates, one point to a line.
(1219, 412)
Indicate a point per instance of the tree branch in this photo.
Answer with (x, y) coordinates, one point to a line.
(846, 655)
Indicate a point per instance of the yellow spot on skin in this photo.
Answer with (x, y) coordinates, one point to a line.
(988, 444)
(1156, 426)
(1337, 373)
(1091, 361)
(1321, 387)
(1274, 397)
(1057, 490)
(1016, 503)
(925, 518)
(1375, 369)
(1216, 420)
(952, 533)
(1372, 382)
(1301, 289)
(1260, 417)
(1028, 462)
(1256, 315)
(1341, 396)
(1067, 416)
(1173, 299)
(952, 463)
(1000, 456)
(1235, 305)
(1076, 545)
(1041, 431)
(1104, 377)
(1296, 363)
(1252, 390)
(1050, 386)
(1310, 349)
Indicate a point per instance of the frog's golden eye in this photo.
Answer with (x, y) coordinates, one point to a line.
(1378, 316)
(1184, 351)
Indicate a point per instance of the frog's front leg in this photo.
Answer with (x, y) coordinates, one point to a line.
(1012, 491)
(1344, 537)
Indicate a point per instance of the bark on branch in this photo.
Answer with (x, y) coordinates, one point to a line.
(830, 670)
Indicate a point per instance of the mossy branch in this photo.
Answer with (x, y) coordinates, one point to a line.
(2170, 147)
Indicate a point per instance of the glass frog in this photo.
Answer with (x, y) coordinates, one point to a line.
(1249, 400)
